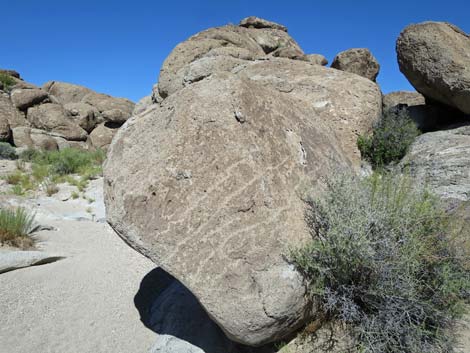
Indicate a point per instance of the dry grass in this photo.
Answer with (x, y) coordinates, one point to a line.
(16, 226)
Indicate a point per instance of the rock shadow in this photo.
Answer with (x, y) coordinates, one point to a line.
(168, 308)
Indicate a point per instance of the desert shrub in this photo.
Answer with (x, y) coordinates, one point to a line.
(7, 151)
(67, 161)
(16, 226)
(391, 137)
(6, 81)
(50, 187)
(380, 263)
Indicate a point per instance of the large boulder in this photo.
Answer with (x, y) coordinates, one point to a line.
(256, 22)
(441, 161)
(402, 98)
(102, 136)
(66, 92)
(54, 118)
(143, 104)
(359, 61)
(317, 59)
(9, 117)
(116, 110)
(25, 98)
(208, 184)
(222, 49)
(85, 115)
(434, 57)
(26, 137)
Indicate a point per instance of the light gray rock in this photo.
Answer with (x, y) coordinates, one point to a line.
(143, 104)
(256, 22)
(156, 98)
(86, 115)
(171, 344)
(317, 59)
(434, 57)
(54, 118)
(113, 109)
(13, 260)
(441, 161)
(222, 164)
(10, 117)
(359, 61)
(25, 98)
(66, 92)
(26, 137)
(102, 136)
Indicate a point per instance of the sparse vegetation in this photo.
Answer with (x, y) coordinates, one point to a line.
(7, 81)
(7, 151)
(49, 168)
(391, 137)
(16, 226)
(383, 262)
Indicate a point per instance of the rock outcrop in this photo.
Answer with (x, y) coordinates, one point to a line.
(434, 57)
(54, 118)
(441, 161)
(58, 115)
(222, 163)
(359, 61)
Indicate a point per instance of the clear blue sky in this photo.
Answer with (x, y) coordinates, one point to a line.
(117, 47)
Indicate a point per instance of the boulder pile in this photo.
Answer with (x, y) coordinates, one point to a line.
(58, 115)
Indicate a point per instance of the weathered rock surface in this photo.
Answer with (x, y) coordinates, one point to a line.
(102, 136)
(222, 164)
(9, 117)
(85, 115)
(33, 138)
(408, 98)
(54, 118)
(434, 57)
(25, 98)
(359, 61)
(317, 59)
(441, 160)
(256, 22)
(66, 92)
(222, 49)
(345, 102)
(142, 105)
(13, 260)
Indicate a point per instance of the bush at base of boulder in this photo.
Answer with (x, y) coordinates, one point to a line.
(383, 261)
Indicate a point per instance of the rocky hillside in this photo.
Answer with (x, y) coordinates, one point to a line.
(58, 114)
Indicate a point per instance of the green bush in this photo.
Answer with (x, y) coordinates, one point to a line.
(6, 81)
(391, 137)
(16, 226)
(7, 151)
(381, 263)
